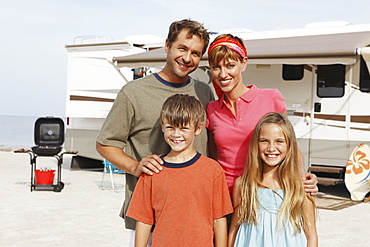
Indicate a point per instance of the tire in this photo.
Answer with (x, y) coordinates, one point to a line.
(58, 188)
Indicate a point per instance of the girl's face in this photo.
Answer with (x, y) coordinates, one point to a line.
(272, 145)
(228, 74)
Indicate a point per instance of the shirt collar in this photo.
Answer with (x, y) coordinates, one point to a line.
(251, 94)
(171, 84)
(247, 97)
(181, 165)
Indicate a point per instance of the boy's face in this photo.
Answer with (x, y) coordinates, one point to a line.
(180, 139)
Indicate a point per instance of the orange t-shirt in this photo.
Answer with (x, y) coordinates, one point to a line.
(182, 201)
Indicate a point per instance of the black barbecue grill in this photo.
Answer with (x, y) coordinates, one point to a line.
(49, 138)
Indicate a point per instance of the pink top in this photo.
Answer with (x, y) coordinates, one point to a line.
(232, 134)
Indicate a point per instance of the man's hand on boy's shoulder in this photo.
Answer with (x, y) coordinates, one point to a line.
(150, 164)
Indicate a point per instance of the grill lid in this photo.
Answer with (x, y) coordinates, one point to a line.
(49, 132)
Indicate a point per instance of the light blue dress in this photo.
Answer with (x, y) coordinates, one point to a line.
(267, 233)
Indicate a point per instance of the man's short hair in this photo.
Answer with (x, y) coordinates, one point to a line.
(182, 109)
(193, 27)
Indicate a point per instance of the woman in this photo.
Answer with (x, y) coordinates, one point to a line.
(233, 117)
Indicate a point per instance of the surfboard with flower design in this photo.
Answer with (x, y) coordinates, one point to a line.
(357, 174)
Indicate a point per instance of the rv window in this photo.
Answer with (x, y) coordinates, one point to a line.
(330, 81)
(364, 77)
(292, 72)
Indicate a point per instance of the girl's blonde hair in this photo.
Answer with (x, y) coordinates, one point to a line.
(289, 171)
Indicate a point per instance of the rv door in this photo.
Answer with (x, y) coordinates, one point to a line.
(329, 116)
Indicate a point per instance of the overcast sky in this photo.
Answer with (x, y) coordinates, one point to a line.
(33, 59)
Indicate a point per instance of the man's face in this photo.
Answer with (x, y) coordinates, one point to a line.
(183, 56)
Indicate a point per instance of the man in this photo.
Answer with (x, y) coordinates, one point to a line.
(133, 122)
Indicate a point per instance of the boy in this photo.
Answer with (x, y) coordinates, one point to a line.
(188, 199)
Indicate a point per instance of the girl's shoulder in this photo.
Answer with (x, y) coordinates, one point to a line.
(238, 181)
(237, 184)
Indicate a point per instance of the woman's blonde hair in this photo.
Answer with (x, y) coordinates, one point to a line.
(289, 171)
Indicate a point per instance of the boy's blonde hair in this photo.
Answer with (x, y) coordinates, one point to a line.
(291, 210)
(182, 109)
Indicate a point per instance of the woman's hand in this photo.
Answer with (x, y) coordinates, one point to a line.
(310, 184)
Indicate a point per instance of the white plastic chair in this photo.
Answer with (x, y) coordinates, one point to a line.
(109, 168)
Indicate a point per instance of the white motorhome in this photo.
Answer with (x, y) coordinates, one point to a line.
(322, 71)
(92, 86)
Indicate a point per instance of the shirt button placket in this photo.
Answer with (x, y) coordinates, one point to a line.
(238, 113)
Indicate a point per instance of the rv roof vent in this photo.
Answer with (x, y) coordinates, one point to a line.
(327, 24)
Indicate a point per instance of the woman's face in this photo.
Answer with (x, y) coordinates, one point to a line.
(228, 74)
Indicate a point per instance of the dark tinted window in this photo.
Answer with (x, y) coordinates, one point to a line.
(330, 80)
(364, 77)
(292, 72)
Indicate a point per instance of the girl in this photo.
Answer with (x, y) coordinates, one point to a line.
(271, 207)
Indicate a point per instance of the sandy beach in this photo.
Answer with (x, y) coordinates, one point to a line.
(83, 214)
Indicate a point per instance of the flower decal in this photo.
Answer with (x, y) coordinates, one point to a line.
(358, 163)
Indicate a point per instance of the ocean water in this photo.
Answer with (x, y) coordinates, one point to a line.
(17, 131)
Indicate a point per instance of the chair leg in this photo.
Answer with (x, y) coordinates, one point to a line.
(102, 179)
(108, 168)
(111, 178)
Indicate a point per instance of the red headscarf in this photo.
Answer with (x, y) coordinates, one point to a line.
(231, 43)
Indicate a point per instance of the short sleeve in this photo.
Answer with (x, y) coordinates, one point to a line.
(141, 208)
(116, 128)
(280, 105)
(221, 197)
